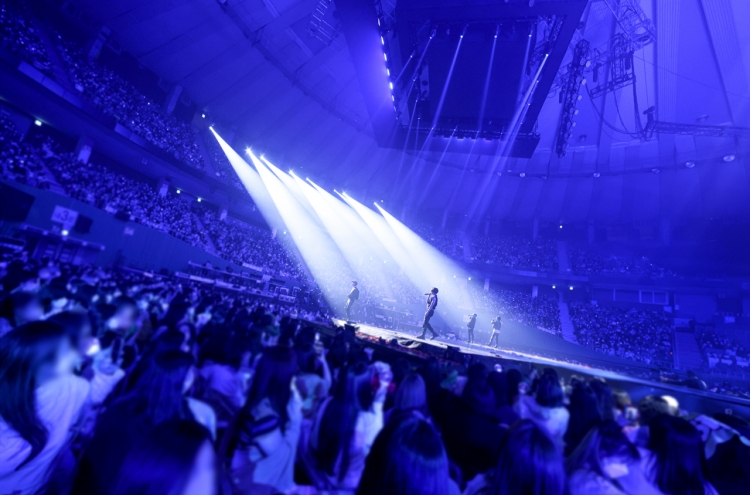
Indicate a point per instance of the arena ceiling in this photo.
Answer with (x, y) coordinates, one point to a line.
(278, 76)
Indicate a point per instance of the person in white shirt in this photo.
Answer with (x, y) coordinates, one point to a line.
(346, 426)
(261, 441)
(42, 402)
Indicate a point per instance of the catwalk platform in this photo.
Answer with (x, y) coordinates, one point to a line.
(535, 348)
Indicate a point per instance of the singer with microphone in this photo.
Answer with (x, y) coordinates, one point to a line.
(432, 301)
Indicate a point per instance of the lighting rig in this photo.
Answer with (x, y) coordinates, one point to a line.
(653, 125)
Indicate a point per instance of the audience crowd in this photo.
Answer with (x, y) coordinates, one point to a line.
(20, 162)
(116, 97)
(115, 382)
(589, 262)
(639, 334)
(723, 354)
(516, 252)
(20, 36)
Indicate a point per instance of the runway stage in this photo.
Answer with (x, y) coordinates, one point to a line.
(534, 348)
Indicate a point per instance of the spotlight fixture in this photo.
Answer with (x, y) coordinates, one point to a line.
(38, 123)
(178, 191)
(571, 287)
(560, 226)
(554, 287)
(199, 200)
(597, 175)
(203, 115)
(729, 158)
(690, 164)
(65, 232)
(522, 174)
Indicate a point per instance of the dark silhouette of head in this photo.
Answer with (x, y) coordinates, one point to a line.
(407, 458)
(679, 460)
(530, 463)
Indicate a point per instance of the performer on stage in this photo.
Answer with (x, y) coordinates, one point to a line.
(496, 324)
(432, 301)
(470, 326)
(353, 296)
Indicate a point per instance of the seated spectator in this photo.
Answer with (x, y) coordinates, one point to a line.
(42, 402)
(529, 463)
(177, 457)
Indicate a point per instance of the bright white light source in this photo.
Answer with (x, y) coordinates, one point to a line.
(65, 232)
(385, 56)
(38, 123)
(178, 191)
(382, 41)
(199, 200)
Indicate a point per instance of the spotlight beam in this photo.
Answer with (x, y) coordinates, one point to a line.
(319, 253)
(432, 264)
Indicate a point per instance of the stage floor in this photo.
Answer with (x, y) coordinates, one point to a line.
(516, 340)
(638, 382)
(545, 349)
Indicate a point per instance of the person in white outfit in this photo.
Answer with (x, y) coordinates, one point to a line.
(42, 402)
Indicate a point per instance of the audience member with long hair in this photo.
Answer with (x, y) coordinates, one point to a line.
(530, 463)
(345, 428)
(606, 463)
(584, 414)
(41, 401)
(674, 461)
(158, 395)
(407, 458)
(261, 443)
(176, 457)
(545, 407)
(410, 396)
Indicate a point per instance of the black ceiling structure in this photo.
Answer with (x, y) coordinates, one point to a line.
(425, 69)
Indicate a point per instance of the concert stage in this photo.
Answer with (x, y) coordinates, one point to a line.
(534, 350)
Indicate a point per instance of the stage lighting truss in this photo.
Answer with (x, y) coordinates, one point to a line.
(621, 69)
(571, 93)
